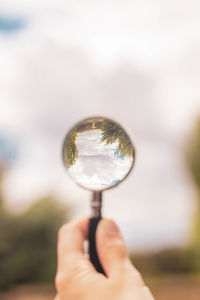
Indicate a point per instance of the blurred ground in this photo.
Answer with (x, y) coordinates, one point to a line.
(164, 288)
(29, 292)
(175, 288)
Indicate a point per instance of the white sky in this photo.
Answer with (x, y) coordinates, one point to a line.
(137, 62)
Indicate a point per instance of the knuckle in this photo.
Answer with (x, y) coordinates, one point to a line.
(72, 259)
(62, 230)
(133, 272)
(73, 265)
(62, 235)
(118, 246)
(137, 277)
(58, 281)
(78, 264)
(62, 281)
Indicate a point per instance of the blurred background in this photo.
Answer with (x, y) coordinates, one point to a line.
(137, 62)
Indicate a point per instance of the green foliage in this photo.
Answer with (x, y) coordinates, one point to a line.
(179, 260)
(193, 163)
(174, 261)
(113, 132)
(193, 154)
(71, 150)
(28, 243)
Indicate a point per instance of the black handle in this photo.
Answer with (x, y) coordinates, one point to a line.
(92, 244)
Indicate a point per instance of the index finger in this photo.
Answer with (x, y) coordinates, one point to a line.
(71, 236)
(70, 247)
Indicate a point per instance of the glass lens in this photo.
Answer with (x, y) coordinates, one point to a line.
(98, 153)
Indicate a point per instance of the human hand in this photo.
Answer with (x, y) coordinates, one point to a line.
(77, 278)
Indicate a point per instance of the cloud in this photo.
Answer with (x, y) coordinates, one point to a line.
(97, 166)
(138, 66)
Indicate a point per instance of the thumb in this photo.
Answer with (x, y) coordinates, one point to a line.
(111, 248)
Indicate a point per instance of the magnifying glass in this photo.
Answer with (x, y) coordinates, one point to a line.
(98, 154)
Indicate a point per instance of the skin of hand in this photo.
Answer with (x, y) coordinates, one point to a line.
(76, 277)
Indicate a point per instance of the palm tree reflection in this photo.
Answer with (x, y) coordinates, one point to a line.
(111, 133)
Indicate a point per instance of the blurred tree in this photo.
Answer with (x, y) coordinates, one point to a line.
(28, 242)
(179, 260)
(193, 163)
(1, 177)
(167, 261)
(193, 154)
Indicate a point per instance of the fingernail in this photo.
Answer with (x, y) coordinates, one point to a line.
(110, 227)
